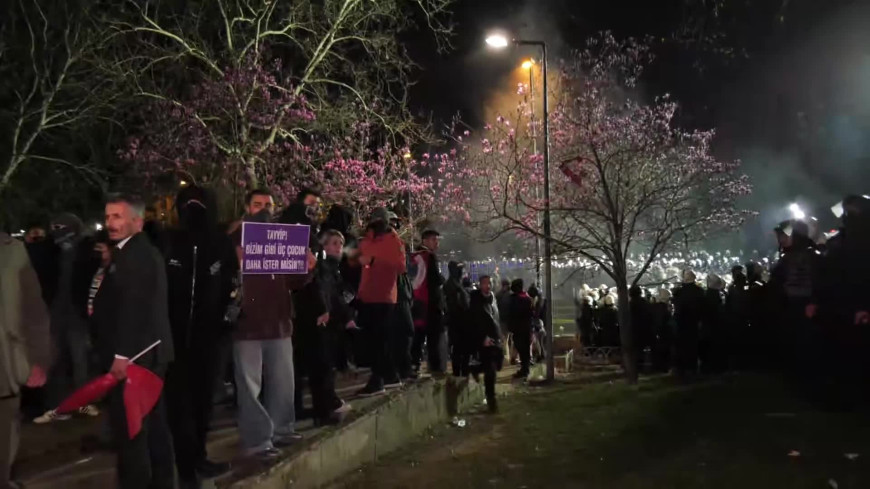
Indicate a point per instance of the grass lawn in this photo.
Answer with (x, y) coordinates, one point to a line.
(732, 432)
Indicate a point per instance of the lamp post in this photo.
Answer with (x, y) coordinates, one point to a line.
(529, 65)
(499, 41)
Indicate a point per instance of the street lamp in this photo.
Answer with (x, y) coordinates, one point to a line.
(500, 41)
(497, 41)
(529, 65)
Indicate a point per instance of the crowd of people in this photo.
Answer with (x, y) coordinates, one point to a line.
(81, 305)
(89, 302)
(807, 315)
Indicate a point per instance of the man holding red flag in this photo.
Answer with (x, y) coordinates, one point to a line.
(130, 314)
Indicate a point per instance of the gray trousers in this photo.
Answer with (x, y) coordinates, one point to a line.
(9, 424)
(264, 366)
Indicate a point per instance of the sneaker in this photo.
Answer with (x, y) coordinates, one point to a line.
(268, 454)
(89, 410)
(286, 440)
(343, 409)
(371, 392)
(51, 416)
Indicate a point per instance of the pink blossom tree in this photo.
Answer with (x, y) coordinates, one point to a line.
(216, 140)
(624, 178)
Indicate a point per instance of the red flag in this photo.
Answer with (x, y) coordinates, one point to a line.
(88, 393)
(141, 392)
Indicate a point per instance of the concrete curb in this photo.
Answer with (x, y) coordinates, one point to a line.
(397, 420)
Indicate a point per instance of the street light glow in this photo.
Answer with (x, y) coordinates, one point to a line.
(796, 211)
(527, 64)
(497, 41)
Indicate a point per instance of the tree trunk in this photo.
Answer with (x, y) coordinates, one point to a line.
(626, 333)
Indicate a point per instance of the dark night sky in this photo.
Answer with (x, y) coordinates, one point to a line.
(795, 109)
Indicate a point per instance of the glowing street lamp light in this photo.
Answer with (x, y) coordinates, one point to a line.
(796, 211)
(497, 41)
(500, 41)
(527, 64)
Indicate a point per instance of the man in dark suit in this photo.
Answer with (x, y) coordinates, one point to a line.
(131, 313)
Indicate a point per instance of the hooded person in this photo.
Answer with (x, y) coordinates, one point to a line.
(688, 312)
(69, 267)
(201, 268)
(305, 210)
(457, 299)
(382, 258)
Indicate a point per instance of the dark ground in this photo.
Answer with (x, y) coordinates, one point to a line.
(738, 431)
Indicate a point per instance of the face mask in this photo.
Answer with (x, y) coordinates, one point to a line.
(193, 215)
(62, 236)
(262, 216)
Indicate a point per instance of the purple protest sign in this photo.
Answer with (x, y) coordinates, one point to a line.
(274, 249)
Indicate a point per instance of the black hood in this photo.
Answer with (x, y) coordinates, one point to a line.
(339, 219)
(197, 208)
(295, 214)
(454, 269)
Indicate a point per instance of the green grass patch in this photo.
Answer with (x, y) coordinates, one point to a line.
(733, 432)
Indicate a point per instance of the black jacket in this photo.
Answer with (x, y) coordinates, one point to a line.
(211, 253)
(295, 214)
(793, 277)
(45, 257)
(688, 308)
(520, 313)
(714, 314)
(335, 294)
(131, 308)
(484, 319)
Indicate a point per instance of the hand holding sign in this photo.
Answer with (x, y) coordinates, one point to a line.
(276, 249)
(312, 261)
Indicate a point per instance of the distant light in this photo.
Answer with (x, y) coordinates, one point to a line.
(407, 156)
(98, 227)
(527, 64)
(797, 212)
(183, 183)
(21, 231)
(497, 41)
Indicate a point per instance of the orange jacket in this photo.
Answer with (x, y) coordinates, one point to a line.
(378, 283)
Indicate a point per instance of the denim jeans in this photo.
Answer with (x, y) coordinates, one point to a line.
(259, 362)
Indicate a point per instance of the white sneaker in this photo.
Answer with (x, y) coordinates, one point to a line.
(51, 416)
(89, 410)
(344, 408)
